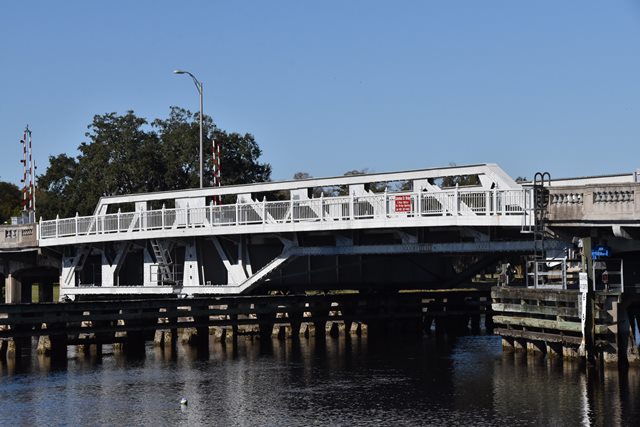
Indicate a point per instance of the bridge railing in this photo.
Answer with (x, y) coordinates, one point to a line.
(324, 209)
(595, 202)
(18, 236)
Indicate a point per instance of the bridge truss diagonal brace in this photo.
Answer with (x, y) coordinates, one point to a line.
(73, 264)
(239, 271)
(249, 281)
(443, 198)
(111, 268)
(285, 256)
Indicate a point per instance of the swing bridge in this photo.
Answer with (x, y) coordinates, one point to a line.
(400, 230)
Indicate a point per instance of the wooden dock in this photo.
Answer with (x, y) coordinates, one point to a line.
(558, 323)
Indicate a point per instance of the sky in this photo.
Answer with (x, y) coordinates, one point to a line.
(331, 86)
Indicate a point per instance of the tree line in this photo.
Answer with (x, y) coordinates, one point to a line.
(125, 153)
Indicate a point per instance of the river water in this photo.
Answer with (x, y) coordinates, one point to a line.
(343, 382)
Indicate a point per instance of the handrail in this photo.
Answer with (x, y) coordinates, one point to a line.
(324, 209)
(18, 236)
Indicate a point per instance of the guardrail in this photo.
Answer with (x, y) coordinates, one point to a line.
(597, 202)
(608, 274)
(18, 236)
(553, 273)
(323, 209)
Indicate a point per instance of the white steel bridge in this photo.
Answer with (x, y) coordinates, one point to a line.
(180, 242)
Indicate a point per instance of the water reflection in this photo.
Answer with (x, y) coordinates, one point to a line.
(318, 382)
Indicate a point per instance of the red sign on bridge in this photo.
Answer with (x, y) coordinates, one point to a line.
(403, 203)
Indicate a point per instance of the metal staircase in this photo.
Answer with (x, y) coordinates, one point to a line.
(162, 255)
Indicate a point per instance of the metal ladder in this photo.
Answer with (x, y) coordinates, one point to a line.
(163, 259)
(541, 204)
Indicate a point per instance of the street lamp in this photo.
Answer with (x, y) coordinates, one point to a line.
(199, 87)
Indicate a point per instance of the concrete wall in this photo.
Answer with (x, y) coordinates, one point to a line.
(18, 236)
(595, 203)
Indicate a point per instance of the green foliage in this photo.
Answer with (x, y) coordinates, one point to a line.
(301, 175)
(126, 154)
(458, 180)
(9, 201)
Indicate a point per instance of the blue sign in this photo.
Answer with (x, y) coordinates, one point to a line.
(599, 252)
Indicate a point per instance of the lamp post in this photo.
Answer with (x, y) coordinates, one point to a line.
(199, 87)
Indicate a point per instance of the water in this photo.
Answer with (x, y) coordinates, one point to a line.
(341, 382)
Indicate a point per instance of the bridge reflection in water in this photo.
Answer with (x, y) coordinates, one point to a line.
(330, 382)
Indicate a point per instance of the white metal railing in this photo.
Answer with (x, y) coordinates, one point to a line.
(323, 209)
(555, 273)
(608, 274)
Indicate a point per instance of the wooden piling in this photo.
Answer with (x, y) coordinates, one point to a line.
(3, 348)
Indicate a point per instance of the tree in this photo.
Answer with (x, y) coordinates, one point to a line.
(54, 186)
(301, 175)
(179, 147)
(239, 163)
(124, 154)
(9, 201)
(458, 180)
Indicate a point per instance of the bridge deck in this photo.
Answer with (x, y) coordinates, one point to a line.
(385, 210)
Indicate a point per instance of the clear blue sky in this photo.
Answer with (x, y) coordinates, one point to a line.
(330, 86)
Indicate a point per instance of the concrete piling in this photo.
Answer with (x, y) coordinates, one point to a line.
(307, 330)
(508, 345)
(536, 347)
(554, 350)
(333, 329)
(44, 345)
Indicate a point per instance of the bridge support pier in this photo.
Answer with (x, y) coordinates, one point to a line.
(536, 347)
(13, 290)
(166, 338)
(334, 328)
(219, 334)
(296, 313)
(307, 330)
(282, 332)
(554, 350)
(18, 347)
(570, 352)
(45, 292)
(266, 320)
(358, 329)
(508, 345)
(519, 345)
(90, 350)
(44, 345)
(198, 336)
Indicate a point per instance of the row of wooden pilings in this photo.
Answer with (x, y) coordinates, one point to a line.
(552, 350)
(129, 329)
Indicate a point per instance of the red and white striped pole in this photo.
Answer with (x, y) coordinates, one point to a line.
(23, 141)
(219, 161)
(31, 171)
